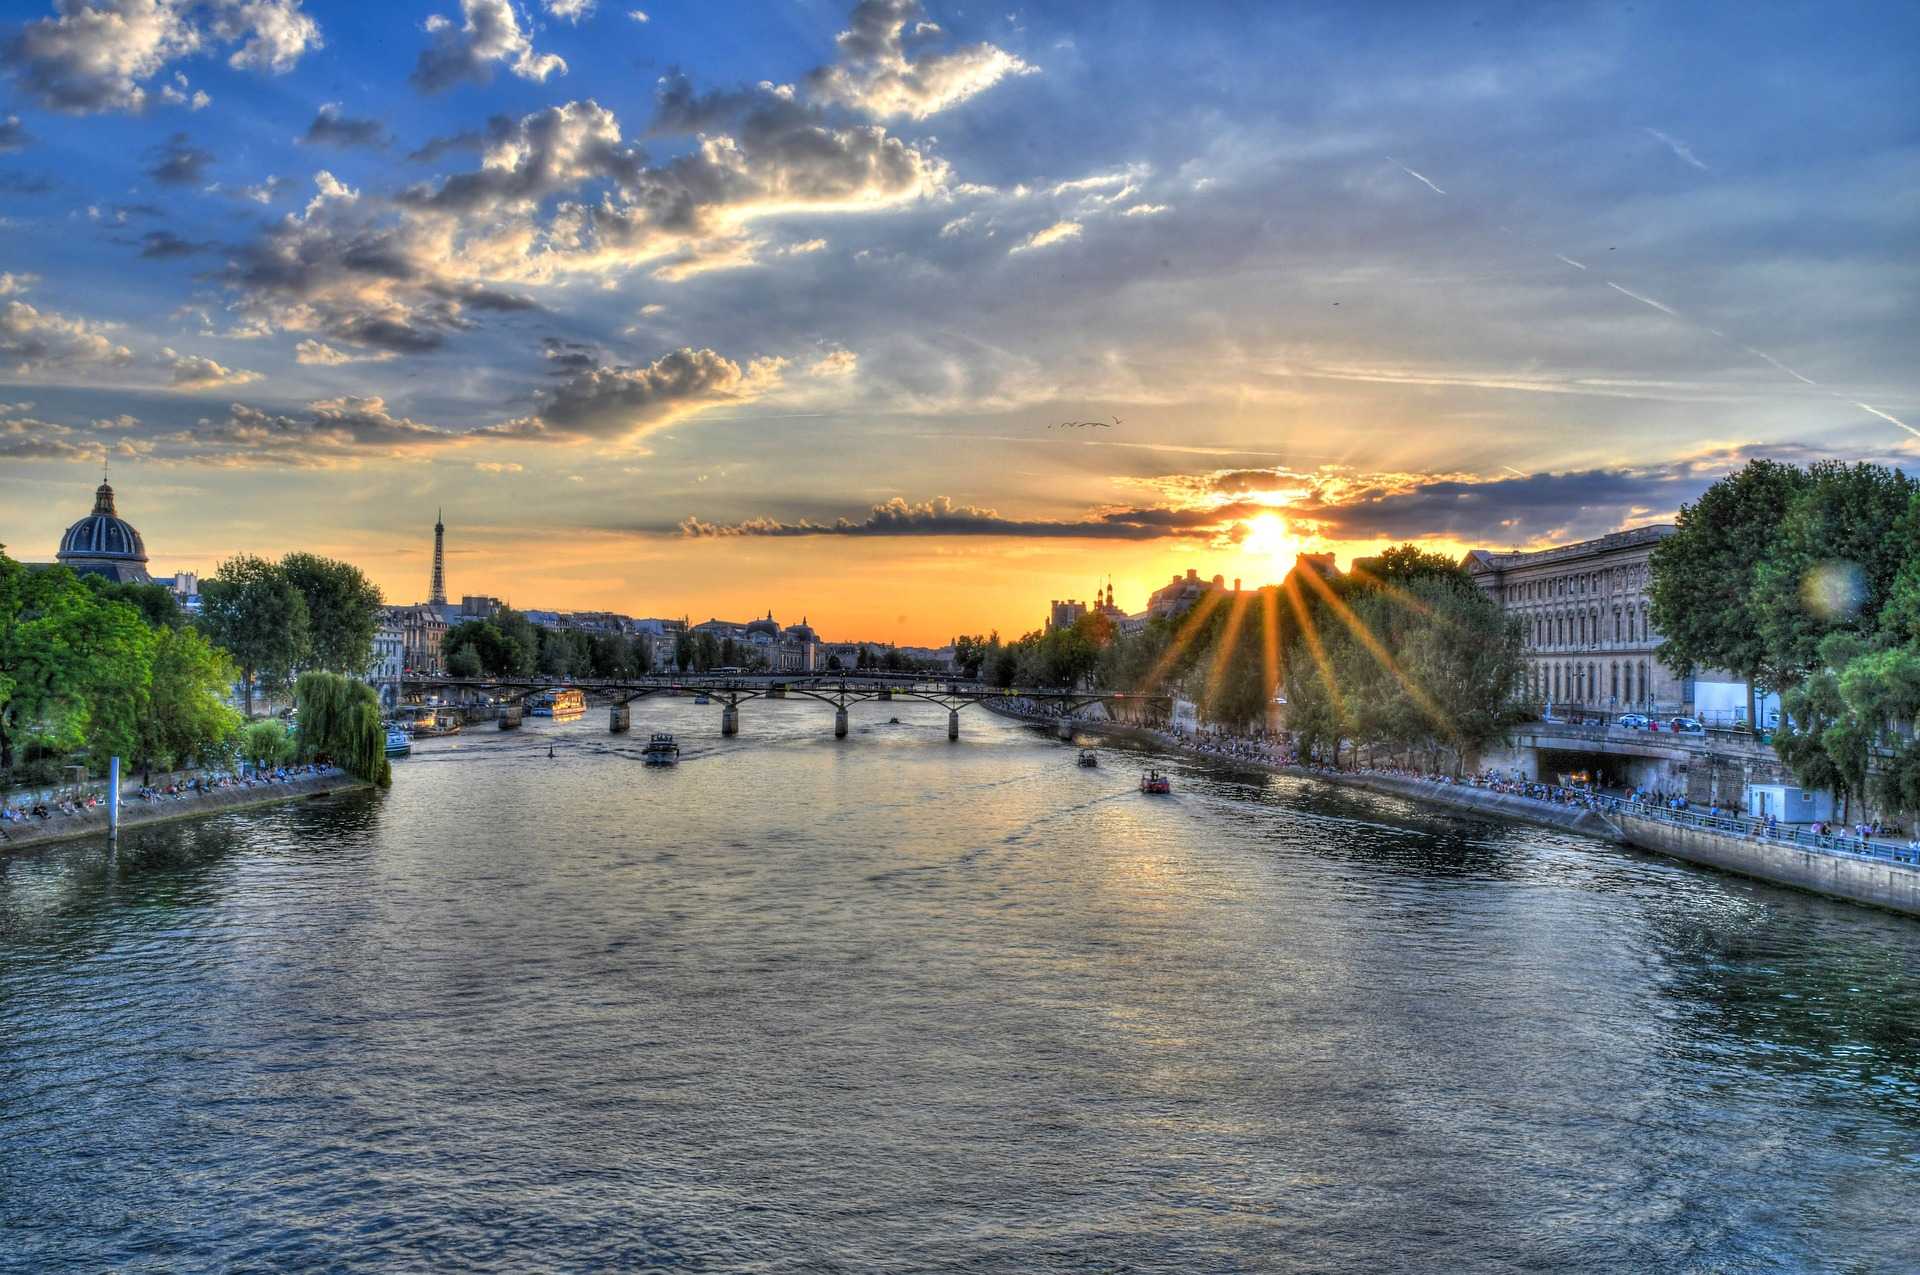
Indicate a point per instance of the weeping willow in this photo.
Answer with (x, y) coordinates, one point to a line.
(340, 723)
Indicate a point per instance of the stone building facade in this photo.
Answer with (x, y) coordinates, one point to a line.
(1590, 640)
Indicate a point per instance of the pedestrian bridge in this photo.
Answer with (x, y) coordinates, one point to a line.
(731, 690)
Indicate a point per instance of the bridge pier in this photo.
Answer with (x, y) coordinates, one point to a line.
(840, 723)
(510, 716)
(953, 723)
(1066, 729)
(730, 720)
(620, 719)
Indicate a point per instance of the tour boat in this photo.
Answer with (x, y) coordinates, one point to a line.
(661, 751)
(1155, 782)
(560, 704)
(399, 743)
(1089, 758)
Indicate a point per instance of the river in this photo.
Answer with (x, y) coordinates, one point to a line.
(895, 1004)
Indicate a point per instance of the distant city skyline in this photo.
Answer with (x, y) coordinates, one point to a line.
(919, 316)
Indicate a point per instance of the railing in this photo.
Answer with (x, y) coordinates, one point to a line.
(1749, 829)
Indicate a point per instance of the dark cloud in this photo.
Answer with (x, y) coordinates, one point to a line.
(941, 517)
(24, 184)
(623, 402)
(13, 137)
(331, 128)
(679, 109)
(161, 245)
(565, 358)
(471, 140)
(488, 33)
(177, 162)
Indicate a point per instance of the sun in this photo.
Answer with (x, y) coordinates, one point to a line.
(1269, 543)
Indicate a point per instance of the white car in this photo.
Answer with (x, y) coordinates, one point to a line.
(1686, 726)
(1633, 721)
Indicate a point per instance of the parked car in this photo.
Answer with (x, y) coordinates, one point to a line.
(1634, 721)
(1686, 726)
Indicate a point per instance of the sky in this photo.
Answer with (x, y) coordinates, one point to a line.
(909, 317)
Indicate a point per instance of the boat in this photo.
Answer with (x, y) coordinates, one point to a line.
(563, 703)
(1089, 758)
(1155, 782)
(399, 743)
(703, 698)
(661, 751)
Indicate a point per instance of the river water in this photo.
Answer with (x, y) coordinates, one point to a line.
(894, 1004)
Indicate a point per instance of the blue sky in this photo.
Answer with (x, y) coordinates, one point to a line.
(787, 304)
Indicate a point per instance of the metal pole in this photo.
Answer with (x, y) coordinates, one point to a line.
(113, 797)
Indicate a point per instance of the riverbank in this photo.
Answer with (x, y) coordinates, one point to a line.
(135, 813)
(1833, 871)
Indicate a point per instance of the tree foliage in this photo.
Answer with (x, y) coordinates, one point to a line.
(187, 717)
(252, 610)
(340, 723)
(343, 610)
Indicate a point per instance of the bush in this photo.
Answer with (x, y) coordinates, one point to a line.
(266, 743)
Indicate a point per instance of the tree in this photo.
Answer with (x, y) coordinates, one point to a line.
(187, 716)
(340, 723)
(343, 610)
(251, 610)
(1833, 563)
(266, 743)
(155, 602)
(1704, 578)
(74, 669)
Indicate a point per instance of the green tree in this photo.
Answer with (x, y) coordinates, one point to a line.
(187, 716)
(74, 669)
(266, 743)
(1833, 563)
(343, 610)
(155, 602)
(1704, 585)
(340, 723)
(252, 611)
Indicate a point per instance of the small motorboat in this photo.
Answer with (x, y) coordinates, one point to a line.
(661, 751)
(893, 721)
(1089, 758)
(399, 743)
(1155, 782)
(703, 698)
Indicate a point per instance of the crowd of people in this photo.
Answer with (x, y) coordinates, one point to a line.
(46, 809)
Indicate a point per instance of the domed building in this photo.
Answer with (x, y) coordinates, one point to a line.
(105, 544)
(766, 628)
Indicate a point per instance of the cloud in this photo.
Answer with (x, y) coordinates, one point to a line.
(874, 73)
(835, 363)
(559, 193)
(489, 32)
(574, 11)
(13, 283)
(192, 372)
(638, 15)
(331, 433)
(1680, 149)
(331, 128)
(163, 245)
(499, 467)
(177, 162)
(1058, 232)
(941, 517)
(320, 354)
(33, 339)
(1143, 210)
(98, 55)
(12, 136)
(624, 403)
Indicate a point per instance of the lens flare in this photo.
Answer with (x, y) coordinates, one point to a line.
(1834, 591)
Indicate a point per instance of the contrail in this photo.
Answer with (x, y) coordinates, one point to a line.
(1680, 149)
(1516, 472)
(1570, 261)
(1782, 366)
(1867, 407)
(1643, 300)
(1416, 176)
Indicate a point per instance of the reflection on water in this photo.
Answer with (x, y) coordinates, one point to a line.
(893, 1004)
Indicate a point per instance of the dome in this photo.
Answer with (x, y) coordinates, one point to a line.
(102, 536)
(766, 626)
